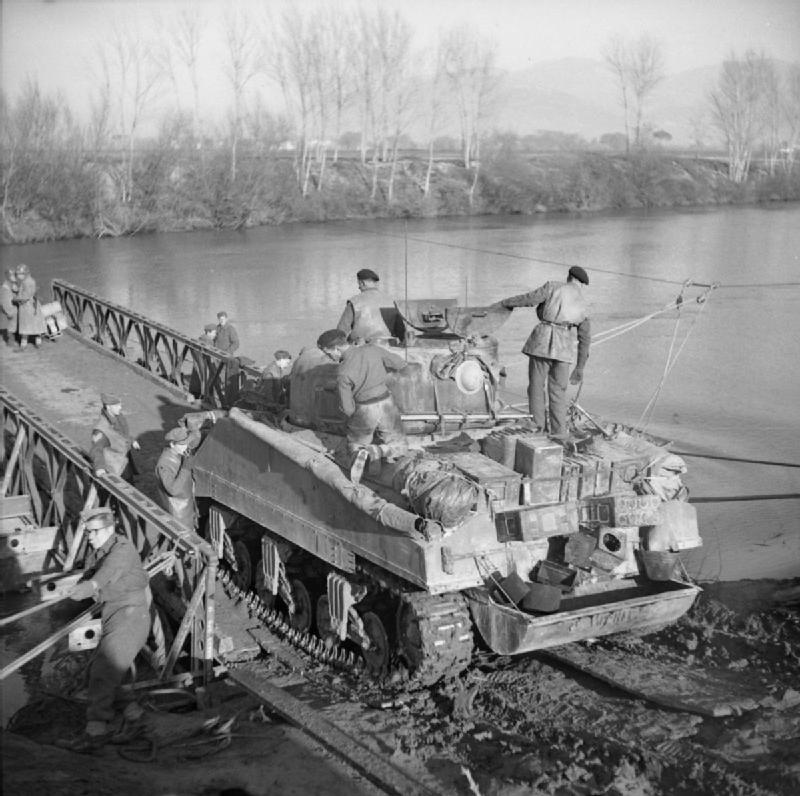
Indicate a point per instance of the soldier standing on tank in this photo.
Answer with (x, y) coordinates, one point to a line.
(227, 338)
(8, 309)
(116, 578)
(111, 440)
(174, 476)
(362, 320)
(561, 308)
(364, 397)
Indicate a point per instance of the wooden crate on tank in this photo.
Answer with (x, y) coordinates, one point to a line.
(539, 458)
(500, 482)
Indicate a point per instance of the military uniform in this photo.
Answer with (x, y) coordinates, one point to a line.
(227, 339)
(362, 319)
(365, 398)
(273, 385)
(561, 308)
(120, 582)
(111, 444)
(8, 309)
(30, 320)
(174, 484)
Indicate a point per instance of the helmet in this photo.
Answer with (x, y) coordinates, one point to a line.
(469, 377)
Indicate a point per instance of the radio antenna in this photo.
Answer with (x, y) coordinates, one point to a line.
(405, 264)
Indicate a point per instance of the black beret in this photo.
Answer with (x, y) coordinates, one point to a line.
(282, 354)
(331, 338)
(368, 273)
(576, 272)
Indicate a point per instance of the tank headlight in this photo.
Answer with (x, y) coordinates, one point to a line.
(469, 377)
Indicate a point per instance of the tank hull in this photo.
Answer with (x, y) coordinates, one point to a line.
(631, 608)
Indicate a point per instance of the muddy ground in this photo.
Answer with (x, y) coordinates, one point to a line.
(505, 727)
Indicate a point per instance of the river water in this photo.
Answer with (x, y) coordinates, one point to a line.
(733, 393)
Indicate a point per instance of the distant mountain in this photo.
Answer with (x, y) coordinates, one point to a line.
(580, 95)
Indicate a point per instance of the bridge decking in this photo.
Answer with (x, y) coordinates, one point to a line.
(62, 382)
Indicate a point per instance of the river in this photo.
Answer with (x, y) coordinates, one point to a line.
(733, 394)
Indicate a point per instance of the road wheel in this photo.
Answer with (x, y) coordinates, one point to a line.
(243, 577)
(377, 656)
(303, 616)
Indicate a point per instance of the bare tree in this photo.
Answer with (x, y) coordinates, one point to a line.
(736, 107)
(290, 65)
(617, 58)
(130, 73)
(638, 67)
(178, 55)
(433, 105)
(791, 114)
(364, 58)
(469, 65)
(243, 64)
(393, 39)
(646, 72)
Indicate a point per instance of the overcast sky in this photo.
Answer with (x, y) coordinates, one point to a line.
(54, 41)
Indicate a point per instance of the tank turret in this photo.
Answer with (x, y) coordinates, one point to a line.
(456, 384)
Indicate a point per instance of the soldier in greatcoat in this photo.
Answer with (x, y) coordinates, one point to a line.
(110, 451)
(30, 320)
(8, 309)
(174, 476)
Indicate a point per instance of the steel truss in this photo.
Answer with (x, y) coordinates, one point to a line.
(195, 367)
(38, 461)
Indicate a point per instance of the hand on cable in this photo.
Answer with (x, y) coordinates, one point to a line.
(100, 471)
(577, 376)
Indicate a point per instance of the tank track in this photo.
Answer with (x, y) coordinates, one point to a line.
(442, 631)
(279, 624)
(442, 634)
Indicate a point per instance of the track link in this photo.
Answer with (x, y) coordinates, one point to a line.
(435, 635)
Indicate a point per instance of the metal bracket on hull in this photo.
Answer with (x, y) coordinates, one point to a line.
(342, 599)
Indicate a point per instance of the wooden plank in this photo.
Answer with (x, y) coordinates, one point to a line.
(671, 684)
(374, 767)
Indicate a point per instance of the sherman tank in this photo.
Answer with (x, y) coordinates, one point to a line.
(483, 530)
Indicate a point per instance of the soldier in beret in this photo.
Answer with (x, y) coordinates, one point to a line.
(112, 441)
(362, 320)
(372, 414)
(561, 308)
(116, 578)
(174, 485)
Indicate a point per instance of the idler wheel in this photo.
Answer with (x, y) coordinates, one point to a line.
(377, 656)
(304, 611)
(243, 577)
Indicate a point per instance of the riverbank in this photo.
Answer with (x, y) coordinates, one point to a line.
(195, 191)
